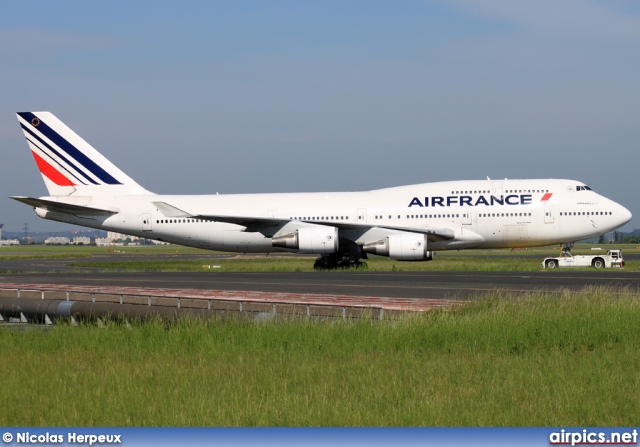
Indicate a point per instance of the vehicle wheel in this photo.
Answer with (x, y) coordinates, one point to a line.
(552, 263)
(598, 263)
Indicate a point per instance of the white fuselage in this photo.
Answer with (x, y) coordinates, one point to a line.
(479, 213)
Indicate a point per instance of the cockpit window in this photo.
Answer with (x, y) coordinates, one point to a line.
(583, 188)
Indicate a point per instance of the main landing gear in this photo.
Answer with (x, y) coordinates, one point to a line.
(336, 261)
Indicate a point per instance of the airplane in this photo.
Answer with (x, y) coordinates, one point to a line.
(404, 223)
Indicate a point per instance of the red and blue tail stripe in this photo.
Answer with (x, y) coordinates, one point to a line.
(51, 173)
(41, 145)
(62, 160)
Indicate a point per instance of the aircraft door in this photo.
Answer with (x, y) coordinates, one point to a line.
(466, 216)
(146, 222)
(362, 216)
(548, 214)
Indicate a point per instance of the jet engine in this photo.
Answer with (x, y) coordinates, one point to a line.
(316, 239)
(401, 247)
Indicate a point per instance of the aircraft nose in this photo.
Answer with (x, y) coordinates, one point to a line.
(626, 215)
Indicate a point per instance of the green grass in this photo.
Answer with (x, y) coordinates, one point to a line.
(533, 360)
(17, 252)
(442, 262)
(470, 260)
(43, 256)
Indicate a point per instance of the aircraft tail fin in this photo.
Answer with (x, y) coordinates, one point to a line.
(68, 164)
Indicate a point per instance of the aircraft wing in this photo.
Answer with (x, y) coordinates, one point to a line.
(67, 208)
(245, 221)
(434, 233)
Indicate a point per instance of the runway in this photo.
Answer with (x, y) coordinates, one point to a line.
(427, 285)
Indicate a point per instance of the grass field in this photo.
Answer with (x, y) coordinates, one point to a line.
(301, 264)
(158, 258)
(538, 360)
(468, 260)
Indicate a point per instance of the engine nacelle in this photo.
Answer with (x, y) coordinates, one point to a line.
(317, 239)
(401, 247)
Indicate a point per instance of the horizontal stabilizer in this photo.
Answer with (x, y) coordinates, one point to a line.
(67, 208)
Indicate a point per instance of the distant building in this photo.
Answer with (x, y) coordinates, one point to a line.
(57, 241)
(118, 236)
(102, 241)
(84, 240)
(118, 240)
(9, 242)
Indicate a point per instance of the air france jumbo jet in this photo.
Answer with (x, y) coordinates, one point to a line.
(405, 223)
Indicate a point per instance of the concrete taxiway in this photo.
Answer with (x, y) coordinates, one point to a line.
(425, 285)
(428, 285)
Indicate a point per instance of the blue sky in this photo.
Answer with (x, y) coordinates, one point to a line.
(247, 96)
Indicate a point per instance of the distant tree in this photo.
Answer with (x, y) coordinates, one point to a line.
(601, 239)
(631, 239)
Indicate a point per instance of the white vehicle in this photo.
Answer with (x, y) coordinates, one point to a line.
(406, 223)
(613, 258)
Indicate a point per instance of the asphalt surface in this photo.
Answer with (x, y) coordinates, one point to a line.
(432, 285)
